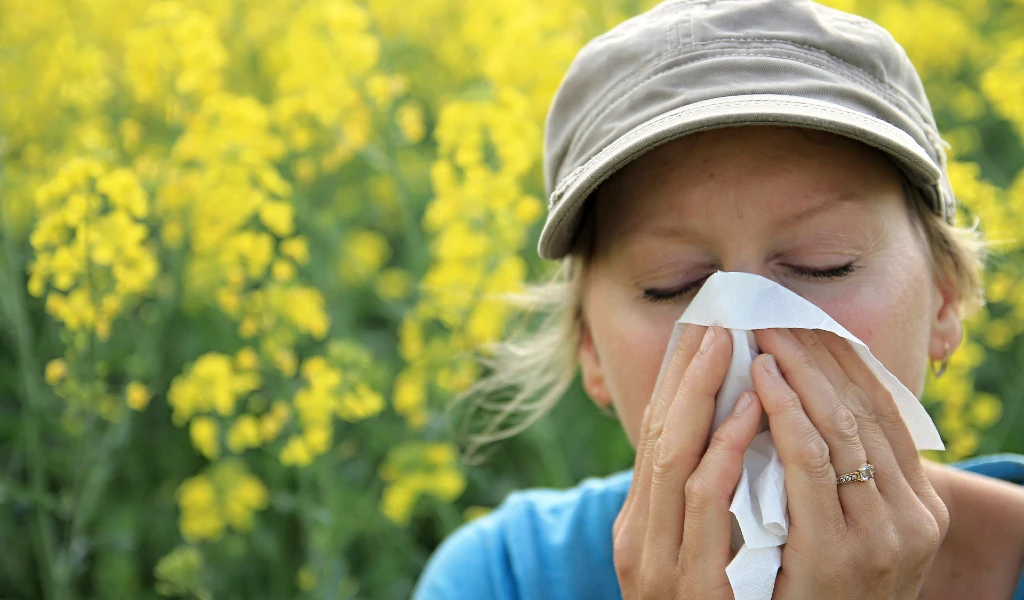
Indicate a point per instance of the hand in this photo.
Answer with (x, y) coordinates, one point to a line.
(829, 414)
(671, 538)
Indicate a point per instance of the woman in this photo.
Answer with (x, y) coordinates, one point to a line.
(792, 141)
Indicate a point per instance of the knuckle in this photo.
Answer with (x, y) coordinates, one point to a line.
(815, 456)
(721, 441)
(624, 557)
(845, 423)
(941, 514)
(666, 460)
(695, 377)
(885, 404)
(618, 525)
(698, 494)
(856, 399)
(805, 360)
(789, 402)
(928, 528)
(810, 340)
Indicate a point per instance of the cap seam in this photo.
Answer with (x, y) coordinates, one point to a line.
(653, 123)
(940, 202)
(814, 50)
(567, 180)
(646, 67)
(683, 109)
(651, 73)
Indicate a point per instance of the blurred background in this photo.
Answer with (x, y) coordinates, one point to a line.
(246, 249)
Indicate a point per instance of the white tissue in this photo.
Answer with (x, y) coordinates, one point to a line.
(742, 302)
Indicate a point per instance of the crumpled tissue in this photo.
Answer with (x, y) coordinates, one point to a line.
(742, 302)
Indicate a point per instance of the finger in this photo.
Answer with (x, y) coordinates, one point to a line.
(628, 529)
(707, 525)
(631, 524)
(810, 476)
(879, 452)
(687, 346)
(638, 461)
(883, 405)
(821, 402)
(682, 442)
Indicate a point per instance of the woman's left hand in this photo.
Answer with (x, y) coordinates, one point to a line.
(829, 414)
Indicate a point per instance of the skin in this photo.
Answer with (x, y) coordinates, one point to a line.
(779, 202)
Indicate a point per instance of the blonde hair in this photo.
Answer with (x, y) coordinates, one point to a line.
(533, 367)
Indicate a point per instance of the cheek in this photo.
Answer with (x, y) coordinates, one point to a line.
(889, 314)
(631, 342)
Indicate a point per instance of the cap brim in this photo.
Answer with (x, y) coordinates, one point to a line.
(568, 199)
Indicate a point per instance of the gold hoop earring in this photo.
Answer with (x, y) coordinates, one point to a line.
(945, 362)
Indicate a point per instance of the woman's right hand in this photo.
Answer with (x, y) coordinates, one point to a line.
(671, 538)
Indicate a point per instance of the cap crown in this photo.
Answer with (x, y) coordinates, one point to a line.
(686, 51)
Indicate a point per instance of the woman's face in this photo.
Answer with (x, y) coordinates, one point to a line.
(820, 214)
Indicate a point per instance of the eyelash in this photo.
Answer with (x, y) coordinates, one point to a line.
(654, 295)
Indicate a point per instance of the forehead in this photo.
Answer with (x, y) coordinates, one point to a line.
(778, 175)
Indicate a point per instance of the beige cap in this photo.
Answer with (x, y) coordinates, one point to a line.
(687, 66)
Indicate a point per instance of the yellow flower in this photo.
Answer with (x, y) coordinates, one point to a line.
(278, 217)
(365, 252)
(243, 495)
(449, 484)
(246, 359)
(282, 270)
(136, 395)
(393, 284)
(205, 435)
(475, 512)
(318, 439)
(296, 248)
(410, 395)
(409, 117)
(56, 370)
(243, 434)
(200, 517)
(305, 579)
(296, 453)
(360, 404)
(270, 427)
(985, 410)
(397, 502)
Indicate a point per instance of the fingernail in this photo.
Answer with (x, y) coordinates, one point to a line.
(741, 404)
(709, 338)
(770, 365)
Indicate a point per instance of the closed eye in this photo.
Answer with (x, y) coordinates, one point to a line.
(658, 295)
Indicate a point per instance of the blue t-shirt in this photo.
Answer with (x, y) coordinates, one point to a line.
(558, 544)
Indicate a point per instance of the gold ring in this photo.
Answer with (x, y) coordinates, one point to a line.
(863, 473)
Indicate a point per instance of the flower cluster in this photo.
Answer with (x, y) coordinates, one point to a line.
(484, 200)
(91, 258)
(417, 469)
(225, 496)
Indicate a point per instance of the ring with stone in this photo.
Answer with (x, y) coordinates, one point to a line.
(863, 473)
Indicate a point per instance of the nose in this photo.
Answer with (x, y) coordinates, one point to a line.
(750, 263)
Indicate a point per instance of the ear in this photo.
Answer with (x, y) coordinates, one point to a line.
(946, 326)
(592, 371)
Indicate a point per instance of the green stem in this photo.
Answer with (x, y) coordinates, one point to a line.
(52, 580)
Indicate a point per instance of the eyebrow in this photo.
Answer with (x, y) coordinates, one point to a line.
(830, 202)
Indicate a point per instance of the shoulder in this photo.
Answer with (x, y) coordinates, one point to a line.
(992, 488)
(1008, 467)
(985, 499)
(538, 543)
(987, 491)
